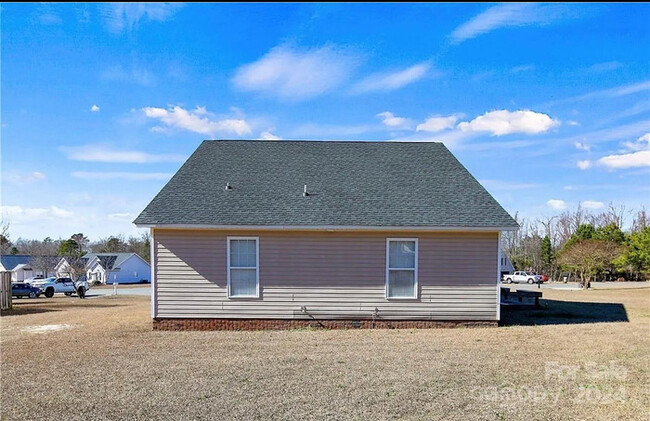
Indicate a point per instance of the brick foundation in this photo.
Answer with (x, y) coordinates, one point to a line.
(284, 324)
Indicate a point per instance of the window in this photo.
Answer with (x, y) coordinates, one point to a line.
(243, 267)
(401, 268)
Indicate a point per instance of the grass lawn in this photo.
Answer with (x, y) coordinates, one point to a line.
(585, 355)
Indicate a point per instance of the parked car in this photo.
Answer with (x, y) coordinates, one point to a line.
(39, 280)
(34, 279)
(543, 278)
(521, 276)
(22, 289)
(64, 285)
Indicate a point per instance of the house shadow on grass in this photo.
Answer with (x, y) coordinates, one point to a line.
(35, 307)
(554, 312)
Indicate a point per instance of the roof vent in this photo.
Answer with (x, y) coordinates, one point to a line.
(228, 187)
(304, 191)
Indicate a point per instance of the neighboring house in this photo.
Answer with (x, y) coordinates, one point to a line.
(18, 265)
(385, 234)
(506, 264)
(22, 266)
(109, 268)
(65, 268)
(121, 268)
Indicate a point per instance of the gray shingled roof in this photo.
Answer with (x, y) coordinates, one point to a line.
(378, 184)
(109, 260)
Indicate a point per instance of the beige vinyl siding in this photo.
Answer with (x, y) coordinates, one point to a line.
(332, 274)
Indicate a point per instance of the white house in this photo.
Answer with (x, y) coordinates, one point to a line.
(20, 267)
(121, 268)
(506, 264)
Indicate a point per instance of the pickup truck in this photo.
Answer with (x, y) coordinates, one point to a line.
(50, 286)
(521, 276)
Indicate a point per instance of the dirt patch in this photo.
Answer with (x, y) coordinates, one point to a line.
(45, 328)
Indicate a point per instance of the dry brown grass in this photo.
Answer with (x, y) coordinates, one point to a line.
(111, 365)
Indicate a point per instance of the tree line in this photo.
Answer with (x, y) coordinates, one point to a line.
(582, 245)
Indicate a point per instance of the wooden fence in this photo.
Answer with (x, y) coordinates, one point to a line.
(5, 290)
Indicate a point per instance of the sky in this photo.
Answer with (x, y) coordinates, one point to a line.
(547, 105)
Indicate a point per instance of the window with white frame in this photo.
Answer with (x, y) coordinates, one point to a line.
(401, 268)
(243, 267)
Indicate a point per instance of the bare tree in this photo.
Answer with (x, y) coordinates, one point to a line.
(44, 254)
(5, 244)
(82, 241)
(588, 257)
(112, 244)
(640, 221)
(76, 267)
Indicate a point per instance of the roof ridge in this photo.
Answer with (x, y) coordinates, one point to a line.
(387, 141)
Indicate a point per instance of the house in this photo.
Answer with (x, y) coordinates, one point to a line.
(18, 265)
(71, 267)
(506, 264)
(108, 268)
(279, 234)
(24, 266)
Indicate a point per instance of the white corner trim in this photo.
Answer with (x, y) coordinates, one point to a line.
(499, 277)
(153, 265)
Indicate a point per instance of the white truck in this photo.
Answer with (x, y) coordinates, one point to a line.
(521, 276)
(50, 286)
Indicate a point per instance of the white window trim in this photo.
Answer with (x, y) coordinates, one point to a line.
(257, 266)
(415, 269)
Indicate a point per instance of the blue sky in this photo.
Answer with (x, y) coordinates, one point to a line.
(548, 105)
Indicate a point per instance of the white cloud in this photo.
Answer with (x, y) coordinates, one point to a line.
(583, 146)
(47, 15)
(640, 144)
(60, 212)
(393, 122)
(572, 123)
(605, 67)
(437, 123)
(389, 81)
(198, 120)
(267, 135)
(639, 155)
(100, 153)
(18, 214)
(556, 204)
(24, 178)
(592, 204)
(94, 108)
(319, 131)
(583, 165)
(120, 217)
(522, 68)
(122, 175)
(607, 93)
(49, 19)
(504, 122)
(120, 17)
(629, 160)
(296, 74)
(135, 74)
(509, 15)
